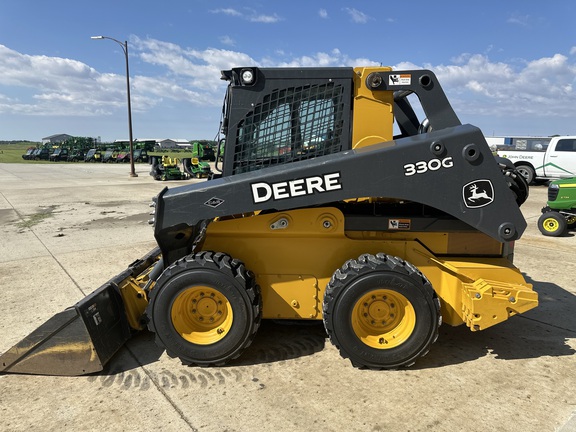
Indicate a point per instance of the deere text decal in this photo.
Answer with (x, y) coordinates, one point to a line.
(263, 191)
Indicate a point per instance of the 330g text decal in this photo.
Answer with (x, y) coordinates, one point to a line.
(421, 167)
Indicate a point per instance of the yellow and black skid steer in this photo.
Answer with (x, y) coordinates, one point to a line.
(335, 200)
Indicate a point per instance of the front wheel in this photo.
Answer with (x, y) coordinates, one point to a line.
(205, 309)
(552, 224)
(381, 312)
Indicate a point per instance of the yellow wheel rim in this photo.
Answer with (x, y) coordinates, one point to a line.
(551, 224)
(202, 315)
(383, 319)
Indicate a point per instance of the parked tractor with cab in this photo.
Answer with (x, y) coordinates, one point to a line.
(59, 155)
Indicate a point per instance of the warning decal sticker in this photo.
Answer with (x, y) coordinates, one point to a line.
(399, 224)
(399, 79)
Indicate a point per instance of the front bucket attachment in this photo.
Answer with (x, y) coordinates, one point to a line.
(82, 338)
(76, 341)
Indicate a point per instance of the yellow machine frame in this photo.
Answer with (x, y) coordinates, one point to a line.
(295, 253)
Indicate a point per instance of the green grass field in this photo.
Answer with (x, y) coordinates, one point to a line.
(12, 153)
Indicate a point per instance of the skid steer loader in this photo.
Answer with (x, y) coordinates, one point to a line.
(334, 201)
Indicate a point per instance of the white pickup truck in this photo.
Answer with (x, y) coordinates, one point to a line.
(543, 160)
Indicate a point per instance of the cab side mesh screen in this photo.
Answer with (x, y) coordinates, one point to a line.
(291, 124)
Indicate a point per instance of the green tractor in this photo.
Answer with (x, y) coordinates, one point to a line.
(166, 168)
(110, 155)
(559, 215)
(93, 155)
(76, 155)
(196, 166)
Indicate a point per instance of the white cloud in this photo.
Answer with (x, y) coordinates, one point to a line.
(357, 16)
(51, 85)
(189, 78)
(334, 58)
(227, 40)
(541, 88)
(54, 86)
(521, 20)
(196, 68)
(266, 19)
(323, 13)
(251, 15)
(227, 11)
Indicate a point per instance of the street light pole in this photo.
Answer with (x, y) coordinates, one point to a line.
(124, 46)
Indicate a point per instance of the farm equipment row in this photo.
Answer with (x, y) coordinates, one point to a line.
(193, 165)
(64, 154)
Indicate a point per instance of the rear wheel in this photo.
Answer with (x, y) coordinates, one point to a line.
(552, 224)
(381, 312)
(517, 183)
(205, 309)
(527, 172)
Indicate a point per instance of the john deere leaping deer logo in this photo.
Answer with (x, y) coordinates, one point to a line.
(478, 193)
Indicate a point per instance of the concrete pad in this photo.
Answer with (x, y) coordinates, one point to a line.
(517, 376)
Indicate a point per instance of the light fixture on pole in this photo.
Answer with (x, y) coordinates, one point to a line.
(124, 46)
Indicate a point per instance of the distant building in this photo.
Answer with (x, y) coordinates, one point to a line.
(172, 143)
(55, 139)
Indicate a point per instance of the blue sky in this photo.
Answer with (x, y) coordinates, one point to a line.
(508, 67)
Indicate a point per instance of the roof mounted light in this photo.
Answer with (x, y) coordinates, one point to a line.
(247, 77)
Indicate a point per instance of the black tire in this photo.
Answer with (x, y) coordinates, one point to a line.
(205, 309)
(516, 182)
(527, 172)
(552, 224)
(381, 312)
(571, 222)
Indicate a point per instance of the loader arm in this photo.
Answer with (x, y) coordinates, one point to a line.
(440, 169)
